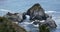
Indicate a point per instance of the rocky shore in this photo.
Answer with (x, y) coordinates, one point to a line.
(36, 14)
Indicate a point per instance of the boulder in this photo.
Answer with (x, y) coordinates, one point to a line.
(36, 12)
(14, 16)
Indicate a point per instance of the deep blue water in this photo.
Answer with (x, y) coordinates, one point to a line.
(51, 6)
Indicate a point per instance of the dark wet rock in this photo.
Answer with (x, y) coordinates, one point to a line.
(11, 13)
(49, 22)
(36, 22)
(24, 17)
(36, 12)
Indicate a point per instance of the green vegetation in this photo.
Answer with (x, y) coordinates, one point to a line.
(43, 28)
(7, 26)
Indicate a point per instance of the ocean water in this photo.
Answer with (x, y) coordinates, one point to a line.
(52, 7)
(21, 6)
(57, 20)
(30, 27)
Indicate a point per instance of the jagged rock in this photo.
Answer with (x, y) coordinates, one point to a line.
(51, 23)
(14, 16)
(36, 12)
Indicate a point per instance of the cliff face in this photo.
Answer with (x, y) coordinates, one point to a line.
(36, 12)
(8, 26)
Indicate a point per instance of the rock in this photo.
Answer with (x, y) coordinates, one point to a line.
(36, 22)
(24, 17)
(51, 23)
(36, 12)
(14, 16)
(46, 15)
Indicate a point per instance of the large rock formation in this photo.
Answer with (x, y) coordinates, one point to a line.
(36, 12)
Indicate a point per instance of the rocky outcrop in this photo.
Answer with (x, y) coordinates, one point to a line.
(14, 16)
(36, 12)
(51, 23)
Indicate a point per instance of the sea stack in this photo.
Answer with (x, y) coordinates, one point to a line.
(36, 12)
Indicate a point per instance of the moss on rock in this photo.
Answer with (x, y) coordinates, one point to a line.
(7, 26)
(43, 28)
